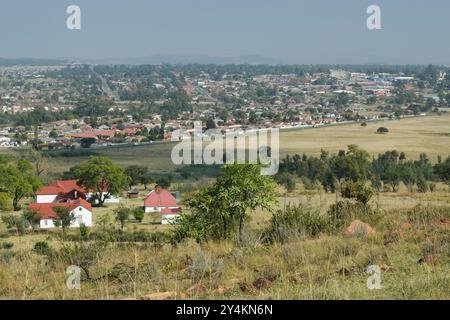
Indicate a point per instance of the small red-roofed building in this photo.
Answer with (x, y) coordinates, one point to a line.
(159, 199)
(162, 201)
(81, 210)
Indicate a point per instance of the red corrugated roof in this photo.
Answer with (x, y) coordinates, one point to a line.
(81, 135)
(160, 198)
(46, 209)
(60, 186)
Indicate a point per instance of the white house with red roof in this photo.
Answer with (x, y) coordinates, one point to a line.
(64, 190)
(80, 208)
(60, 191)
(162, 201)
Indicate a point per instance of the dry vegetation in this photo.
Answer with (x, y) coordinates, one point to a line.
(410, 243)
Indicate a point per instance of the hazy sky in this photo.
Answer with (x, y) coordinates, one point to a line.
(301, 31)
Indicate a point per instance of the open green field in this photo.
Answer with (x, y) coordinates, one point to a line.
(412, 136)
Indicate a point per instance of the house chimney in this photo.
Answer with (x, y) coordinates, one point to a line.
(157, 189)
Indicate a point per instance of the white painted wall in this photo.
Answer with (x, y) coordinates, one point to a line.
(157, 209)
(111, 199)
(46, 198)
(170, 218)
(82, 216)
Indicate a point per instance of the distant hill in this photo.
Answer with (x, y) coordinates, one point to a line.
(185, 59)
(30, 62)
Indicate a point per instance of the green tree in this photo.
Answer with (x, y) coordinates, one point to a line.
(53, 134)
(18, 181)
(358, 190)
(136, 173)
(64, 217)
(163, 183)
(382, 130)
(146, 179)
(122, 215)
(100, 175)
(5, 202)
(422, 185)
(32, 217)
(87, 142)
(286, 180)
(138, 213)
(227, 203)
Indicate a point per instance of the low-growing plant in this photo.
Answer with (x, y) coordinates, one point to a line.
(139, 213)
(43, 248)
(6, 245)
(425, 215)
(296, 222)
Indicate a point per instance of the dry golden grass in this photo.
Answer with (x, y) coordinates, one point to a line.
(412, 136)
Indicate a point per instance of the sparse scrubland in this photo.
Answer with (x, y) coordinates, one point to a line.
(295, 258)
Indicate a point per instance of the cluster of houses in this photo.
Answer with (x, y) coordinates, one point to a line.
(69, 194)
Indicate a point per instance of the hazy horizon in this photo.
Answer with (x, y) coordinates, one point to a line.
(273, 32)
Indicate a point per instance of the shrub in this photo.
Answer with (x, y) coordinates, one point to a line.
(122, 215)
(43, 248)
(139, 213)
(204, 265)
(344, 212)
(5, 202)
(425, 215)
(84, 231)
(296, 222)
(422, 185)
(14, 222)
(382, 130)
(286, 180)
(6, 245)
(358, 190)
(308, 183)
(192, 226)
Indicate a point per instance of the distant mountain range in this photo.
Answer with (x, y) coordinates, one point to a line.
(159, 59)
(185, 59)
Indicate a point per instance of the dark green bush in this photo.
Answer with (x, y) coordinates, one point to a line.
(43, 248)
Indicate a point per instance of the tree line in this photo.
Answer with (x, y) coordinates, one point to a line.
(385, 172)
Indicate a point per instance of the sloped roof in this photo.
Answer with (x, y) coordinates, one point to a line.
(46, 209)
(60, 187)
(160, 198)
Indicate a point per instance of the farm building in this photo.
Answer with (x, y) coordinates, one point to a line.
(65, 190)
(164, 202)
(81, 209)
(133, 193)
(159, 199)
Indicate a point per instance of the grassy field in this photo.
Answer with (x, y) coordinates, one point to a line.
(411, 250)
(412, 136)
(410, 246)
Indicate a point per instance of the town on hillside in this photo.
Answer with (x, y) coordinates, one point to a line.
(45, 107)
